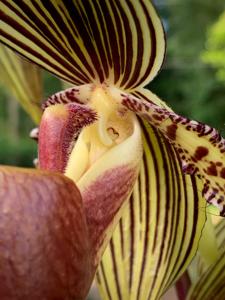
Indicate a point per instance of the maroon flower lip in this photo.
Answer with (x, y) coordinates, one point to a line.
(58, 132)
(44, 251)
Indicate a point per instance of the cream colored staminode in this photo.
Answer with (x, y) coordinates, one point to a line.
(111, 129)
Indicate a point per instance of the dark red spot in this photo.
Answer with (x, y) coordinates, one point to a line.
(189, 169)
(222, 173)
(157, 117)
(171, 131)
(201, 152)
(219, 164)
(205, 189)
(220, 200)
(211, 170)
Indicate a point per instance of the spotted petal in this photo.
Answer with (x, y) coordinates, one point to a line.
(158, 235)
(200, 147)
(120, 42)
(23, 79)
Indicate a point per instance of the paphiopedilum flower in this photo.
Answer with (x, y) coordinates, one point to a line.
(116, 142)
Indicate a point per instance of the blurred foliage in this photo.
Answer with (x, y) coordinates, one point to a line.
(16, 148)
(186, 82)
(215, 51)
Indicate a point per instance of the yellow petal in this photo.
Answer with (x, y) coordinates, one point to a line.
(159, 232)
(106, 186)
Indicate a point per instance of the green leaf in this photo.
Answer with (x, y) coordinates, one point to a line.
(158, 235)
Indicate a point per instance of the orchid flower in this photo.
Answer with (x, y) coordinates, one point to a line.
(131, 168)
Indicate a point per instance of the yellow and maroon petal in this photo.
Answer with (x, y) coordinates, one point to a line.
(23, 79)
(119, 42)
(200, 147)
(44, 251)
(158, 234)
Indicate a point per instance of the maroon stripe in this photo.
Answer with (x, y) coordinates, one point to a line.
(111, 33)
(176, 223)
(19, 14)
(128, 43)
(146, 232)
(175, 272)
(163, 154)
(148, 203)
(63, 74)
(111, 244)
(47, 35)
(121, 236)
(153, 44)
(195, 224)
(166, 170)
(174, 202)
(85, 37)
(100, 16)
(67, 34)
(105, 281)
(91, 20)
(98, 279)
(42, 29)
(140, 199)
(140, 48)
(71, 24)
(120, 45)
(132, 230)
